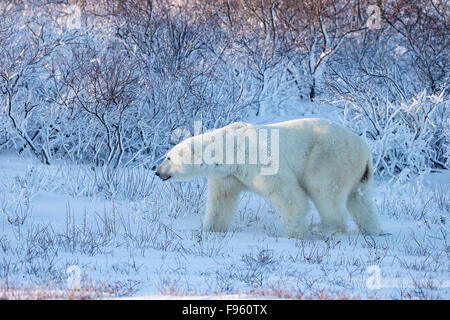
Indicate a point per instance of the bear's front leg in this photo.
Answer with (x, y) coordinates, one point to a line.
(223, 195)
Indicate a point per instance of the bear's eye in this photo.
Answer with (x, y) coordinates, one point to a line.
(168, 158)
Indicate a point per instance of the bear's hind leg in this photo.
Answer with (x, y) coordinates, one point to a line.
(223, 195)
(362, 209)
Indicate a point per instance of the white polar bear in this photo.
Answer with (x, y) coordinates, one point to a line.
(317, 159)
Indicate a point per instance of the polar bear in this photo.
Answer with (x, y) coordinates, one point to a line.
(316, 159)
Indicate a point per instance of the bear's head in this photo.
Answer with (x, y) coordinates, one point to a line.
(176, 164)
(195, 157)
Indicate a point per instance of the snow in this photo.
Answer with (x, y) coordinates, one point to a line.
(86, 89)
(147, 243)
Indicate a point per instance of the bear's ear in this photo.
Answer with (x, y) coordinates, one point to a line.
(237, 125)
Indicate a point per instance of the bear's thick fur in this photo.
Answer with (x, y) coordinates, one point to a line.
(317, 159)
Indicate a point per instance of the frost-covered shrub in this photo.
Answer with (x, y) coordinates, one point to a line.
(405, 138)
(108, 94)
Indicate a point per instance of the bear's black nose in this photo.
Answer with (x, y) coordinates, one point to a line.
(157, 173)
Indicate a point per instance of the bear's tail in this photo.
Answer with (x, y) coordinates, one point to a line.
(361, 206)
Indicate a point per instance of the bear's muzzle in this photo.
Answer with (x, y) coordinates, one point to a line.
(163, 176)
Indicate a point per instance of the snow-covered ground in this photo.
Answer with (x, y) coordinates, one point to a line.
(78, 231)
